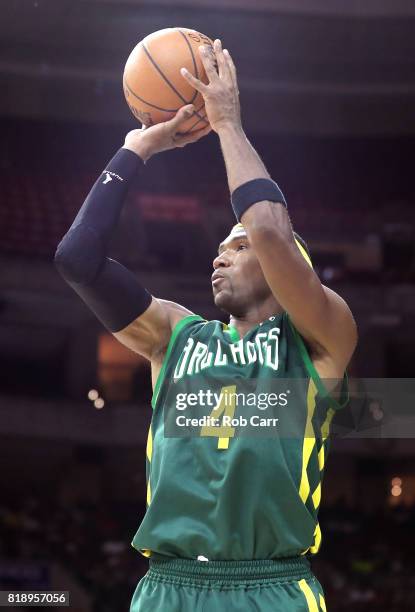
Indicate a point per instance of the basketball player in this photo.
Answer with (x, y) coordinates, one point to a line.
(231, 522)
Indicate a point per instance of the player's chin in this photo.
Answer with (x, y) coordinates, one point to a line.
(219, 297)
(223, 300)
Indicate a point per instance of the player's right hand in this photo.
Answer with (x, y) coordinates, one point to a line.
(148, 141)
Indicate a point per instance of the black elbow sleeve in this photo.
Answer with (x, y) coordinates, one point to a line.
(80, 255)
(110, 290)
(115, 296)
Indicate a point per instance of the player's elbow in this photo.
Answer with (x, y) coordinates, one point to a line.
(67, 264)
(77, 259)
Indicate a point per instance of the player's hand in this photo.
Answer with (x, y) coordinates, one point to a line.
(221, 94)
(148, 141)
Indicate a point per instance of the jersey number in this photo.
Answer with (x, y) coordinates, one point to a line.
(225, 407)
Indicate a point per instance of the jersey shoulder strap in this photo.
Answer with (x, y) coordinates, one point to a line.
(178, 330)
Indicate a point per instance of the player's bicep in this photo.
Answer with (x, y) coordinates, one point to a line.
(329, 330)
(149, 334)
(318, 313)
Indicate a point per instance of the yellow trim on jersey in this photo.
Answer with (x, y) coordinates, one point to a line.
(149, 453)
(309, 596)
(145, 552)
(308, 446)
(316, 497)
(325, 428)
(309, 440)
(322, 602)
(317, 540)
(321, 457)
(149, 447)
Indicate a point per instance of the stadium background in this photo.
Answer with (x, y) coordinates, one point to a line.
(328, 99)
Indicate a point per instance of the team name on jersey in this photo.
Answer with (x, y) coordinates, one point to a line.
(198, 356)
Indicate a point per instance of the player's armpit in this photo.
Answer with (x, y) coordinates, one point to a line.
(149, 334)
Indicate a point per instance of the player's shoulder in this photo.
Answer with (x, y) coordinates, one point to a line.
(176, 312)
(182, 318)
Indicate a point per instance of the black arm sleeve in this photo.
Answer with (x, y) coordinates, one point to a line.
(108, 288)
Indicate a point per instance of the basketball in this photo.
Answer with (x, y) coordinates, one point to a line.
(153, 86)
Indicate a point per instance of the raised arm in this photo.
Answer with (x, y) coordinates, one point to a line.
(320, 315)
(139, 320)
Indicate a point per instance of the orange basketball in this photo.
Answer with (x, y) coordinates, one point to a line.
(153, 86)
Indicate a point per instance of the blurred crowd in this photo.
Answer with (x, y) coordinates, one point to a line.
(92, 542)
(365, 563)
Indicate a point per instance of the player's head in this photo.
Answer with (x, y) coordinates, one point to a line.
(238, 282)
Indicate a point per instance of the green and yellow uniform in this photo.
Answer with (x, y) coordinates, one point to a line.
(245, 506)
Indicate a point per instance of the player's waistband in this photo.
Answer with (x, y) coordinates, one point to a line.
(192, 572)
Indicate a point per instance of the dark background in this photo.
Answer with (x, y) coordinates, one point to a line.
(327, 95)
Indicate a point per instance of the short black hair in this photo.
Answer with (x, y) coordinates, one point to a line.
(303, 243)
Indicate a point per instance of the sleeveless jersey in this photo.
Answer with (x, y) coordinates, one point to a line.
(236, 498)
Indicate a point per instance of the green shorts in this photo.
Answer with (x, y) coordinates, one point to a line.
(187, 585)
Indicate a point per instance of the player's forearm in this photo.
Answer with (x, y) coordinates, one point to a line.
(111, 291)
(243, 164)
(100, 212)
(242, 161)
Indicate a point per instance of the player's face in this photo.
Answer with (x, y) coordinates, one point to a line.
(237, 281)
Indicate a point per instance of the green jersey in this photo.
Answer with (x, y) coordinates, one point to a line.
(223, 497)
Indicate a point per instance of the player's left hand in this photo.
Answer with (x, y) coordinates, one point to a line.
(221, 94)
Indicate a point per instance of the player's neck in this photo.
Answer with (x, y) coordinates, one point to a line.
(255, 315)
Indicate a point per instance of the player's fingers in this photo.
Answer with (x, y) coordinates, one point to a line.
(232, 69)
(208, 57)
(198, 85)
(193, 136)
(223, 67)
(182, 114)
